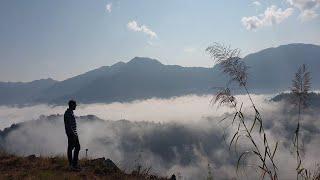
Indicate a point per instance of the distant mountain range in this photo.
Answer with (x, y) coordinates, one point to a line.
(23, 93)
(271, 71)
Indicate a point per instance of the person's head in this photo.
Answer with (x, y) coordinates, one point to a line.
(72, 104)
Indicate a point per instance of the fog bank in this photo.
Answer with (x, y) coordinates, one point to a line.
(180, 135)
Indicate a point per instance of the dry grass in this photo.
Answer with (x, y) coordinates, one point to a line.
(14, 167)
(301, 85)
(232, 65)
(312, 174)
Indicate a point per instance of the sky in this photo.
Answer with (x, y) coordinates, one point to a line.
(60, 39)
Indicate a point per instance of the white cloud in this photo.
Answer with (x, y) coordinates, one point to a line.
(177, 109)
(304, 4)
(256, 3)
(271, 16)
(306, 7)
(134, 26)
(109, 7)
(308, 15)
(252, 22)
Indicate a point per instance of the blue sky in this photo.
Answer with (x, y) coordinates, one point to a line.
(60, 39)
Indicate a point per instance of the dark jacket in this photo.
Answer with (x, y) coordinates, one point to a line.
(70, 123)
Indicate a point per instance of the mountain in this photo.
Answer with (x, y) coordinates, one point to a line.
(271, 71)
(72, 85)
(140, 78)
(144, 78)
(12, 93)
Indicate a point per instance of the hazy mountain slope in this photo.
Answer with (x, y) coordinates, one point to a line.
(272, 69)
(22, 93)
(73, 84)
(145, 78)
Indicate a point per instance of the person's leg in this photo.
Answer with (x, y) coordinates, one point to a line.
(76, 152)
(71, 145)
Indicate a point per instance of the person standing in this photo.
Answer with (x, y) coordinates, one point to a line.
(72, 135)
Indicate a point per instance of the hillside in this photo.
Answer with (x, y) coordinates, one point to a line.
(283, 62)
(143, 78)
(32, 167)
(313, 100)
(22, 93)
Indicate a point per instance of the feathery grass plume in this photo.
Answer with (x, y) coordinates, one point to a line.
(231, 64)
(224, 97)
(301, 85)
(312, 175)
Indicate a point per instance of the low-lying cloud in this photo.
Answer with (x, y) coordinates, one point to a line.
(180, 135)
(178, 109)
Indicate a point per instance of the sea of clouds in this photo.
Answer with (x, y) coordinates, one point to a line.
(180, 135)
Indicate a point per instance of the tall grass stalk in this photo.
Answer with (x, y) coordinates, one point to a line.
(301, 85)
(231, 64)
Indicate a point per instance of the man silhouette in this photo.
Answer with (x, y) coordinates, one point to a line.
(71, 131)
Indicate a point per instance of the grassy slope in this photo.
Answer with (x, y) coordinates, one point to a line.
(14, 167)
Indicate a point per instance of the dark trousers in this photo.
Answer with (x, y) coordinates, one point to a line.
(73, 143)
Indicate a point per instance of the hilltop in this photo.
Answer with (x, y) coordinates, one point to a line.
(32, 167)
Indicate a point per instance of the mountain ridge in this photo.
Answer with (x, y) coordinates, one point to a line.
(271, 71)
(122, 62)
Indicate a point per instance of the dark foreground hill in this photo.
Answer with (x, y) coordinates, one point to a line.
(32, 167)
(313, 99)
(271, 71)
